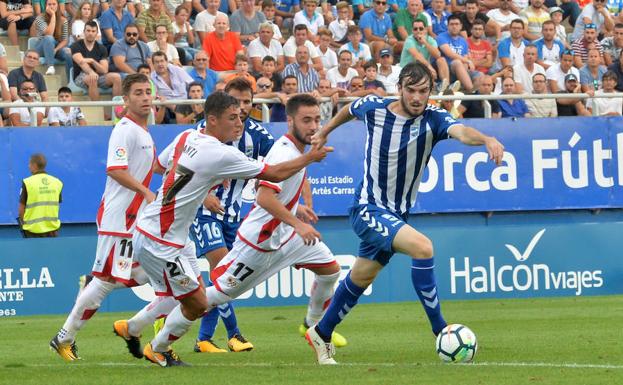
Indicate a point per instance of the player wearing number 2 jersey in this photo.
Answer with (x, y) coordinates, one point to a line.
(198, 161)
(131, 153)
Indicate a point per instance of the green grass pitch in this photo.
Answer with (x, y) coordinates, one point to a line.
(522, 341)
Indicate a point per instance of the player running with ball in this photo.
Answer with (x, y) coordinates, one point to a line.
(400, 137)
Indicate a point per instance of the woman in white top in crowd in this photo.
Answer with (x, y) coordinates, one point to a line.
(84, 14)
(161, 44)
(184, 35)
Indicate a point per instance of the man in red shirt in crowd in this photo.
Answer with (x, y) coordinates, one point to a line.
(222, 45)
(480, 50)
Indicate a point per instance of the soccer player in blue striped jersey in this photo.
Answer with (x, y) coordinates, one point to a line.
(217, 221)
(400, 137)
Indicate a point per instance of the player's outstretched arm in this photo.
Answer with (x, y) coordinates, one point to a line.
(123, 177)
(266, 198)
(282, 171)
(473, 137)
(320, 138)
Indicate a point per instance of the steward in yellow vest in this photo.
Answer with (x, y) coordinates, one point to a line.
(39, 201)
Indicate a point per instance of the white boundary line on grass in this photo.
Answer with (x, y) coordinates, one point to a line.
(356, 364)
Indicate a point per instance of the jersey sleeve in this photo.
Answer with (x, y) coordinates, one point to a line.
(361, 106)
(118, 148)
(275, 157)
(236, 165)
(442, 121)
(266, 142)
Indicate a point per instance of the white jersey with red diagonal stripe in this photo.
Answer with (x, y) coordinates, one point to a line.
(130, 148)
(195, 164)
(260, 229)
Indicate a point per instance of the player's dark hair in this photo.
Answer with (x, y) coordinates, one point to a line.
(39, 160)
(64, 90)
(414, 73)
(239, 84)
(130, 80)
(295, 102)
(217, 103)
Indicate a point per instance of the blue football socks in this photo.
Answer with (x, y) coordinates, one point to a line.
(423, 278)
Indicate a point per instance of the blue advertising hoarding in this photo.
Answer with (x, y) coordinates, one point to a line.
(549, 164)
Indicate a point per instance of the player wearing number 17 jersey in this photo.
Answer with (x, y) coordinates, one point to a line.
(401, 135)
(131, 153)
(198, 161)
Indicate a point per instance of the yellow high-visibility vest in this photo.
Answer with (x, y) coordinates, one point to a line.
(42, 203)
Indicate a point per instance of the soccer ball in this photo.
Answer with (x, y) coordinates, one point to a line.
(456, 343)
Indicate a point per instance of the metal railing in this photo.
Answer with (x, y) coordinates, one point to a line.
(265, 102)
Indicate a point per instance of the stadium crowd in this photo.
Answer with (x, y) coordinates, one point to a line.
(327, 49)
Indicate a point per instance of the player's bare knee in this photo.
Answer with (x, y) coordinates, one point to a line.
(422, 249)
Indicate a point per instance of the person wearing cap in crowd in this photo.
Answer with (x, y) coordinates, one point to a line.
(556, 13)
(541, 108)
(571, 107)
(388, 73)
(596, 14)
(606, 106)
(556, 73)
(568, 9)
(585, 43)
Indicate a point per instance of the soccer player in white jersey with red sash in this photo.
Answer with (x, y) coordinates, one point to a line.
(198, 161)
(131, 153)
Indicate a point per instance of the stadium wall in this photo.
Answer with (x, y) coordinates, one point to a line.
(515, 252)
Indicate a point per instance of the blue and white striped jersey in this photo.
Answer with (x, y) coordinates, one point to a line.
(256, 141)
(397, 151)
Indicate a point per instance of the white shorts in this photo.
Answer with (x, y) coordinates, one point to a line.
(114, 258)
(172, 271)
(244, 267)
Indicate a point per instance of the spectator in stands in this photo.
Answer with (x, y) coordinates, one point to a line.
(480, 50)
(606, 106)
(541, 108)
(503, 16)
(549, 49)
(39, 200)
(475, 108)
(358, 89)
(285, 10)
(242, 71)
(571, 107)
(439, 18)
(72, 7)
(585, 43)
(52, 30)
(222, 45)
(327, 54)
(4, 65)
(91, 64)
(27, 73)
(268, 9)
(377, 28)
(40, 5)
(183, 36)
(512, 108)
(246, 21)
(128, 53)
(524, 72)
(423, 48)
(339, 27)
(171, 83)
(388, 72)
(204, 22)
(370, 82)
(569, 8)
(269, 70)
(592, 72)
(450, 105)
(556, 73)
(114, 21)
(534, 16)
(15, 15)
(307, 77)
(361, 52)
(148, 20)
(403, 23)
(617, 68)
(471, 14)
(341, 75)
(327, 108)
(264, 45)
(83, 15)
(595, 14)
(161, 44)
(510, 50)
(299, 38)
(20, 116)
(202, 74)
(66, 116)
(171, 5)
(191, 113)
(556, 14)
(290, 87)
(308, 16)
(613, 45)
(456, 52)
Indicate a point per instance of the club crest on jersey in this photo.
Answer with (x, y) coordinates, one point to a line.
(120, 153)
(248, 151)
(232, 282)
(124, 264)
(184, 282)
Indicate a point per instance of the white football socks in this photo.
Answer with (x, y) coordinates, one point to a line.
(175, 327)
(158, 308)
(320, 297)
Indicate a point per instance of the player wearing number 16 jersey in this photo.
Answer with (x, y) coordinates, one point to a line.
(131, 153)
(198, 161)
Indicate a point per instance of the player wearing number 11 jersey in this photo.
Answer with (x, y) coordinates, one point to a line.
(198, 161)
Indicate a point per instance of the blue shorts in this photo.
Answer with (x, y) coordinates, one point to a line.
(377, 228)
(210, 233)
